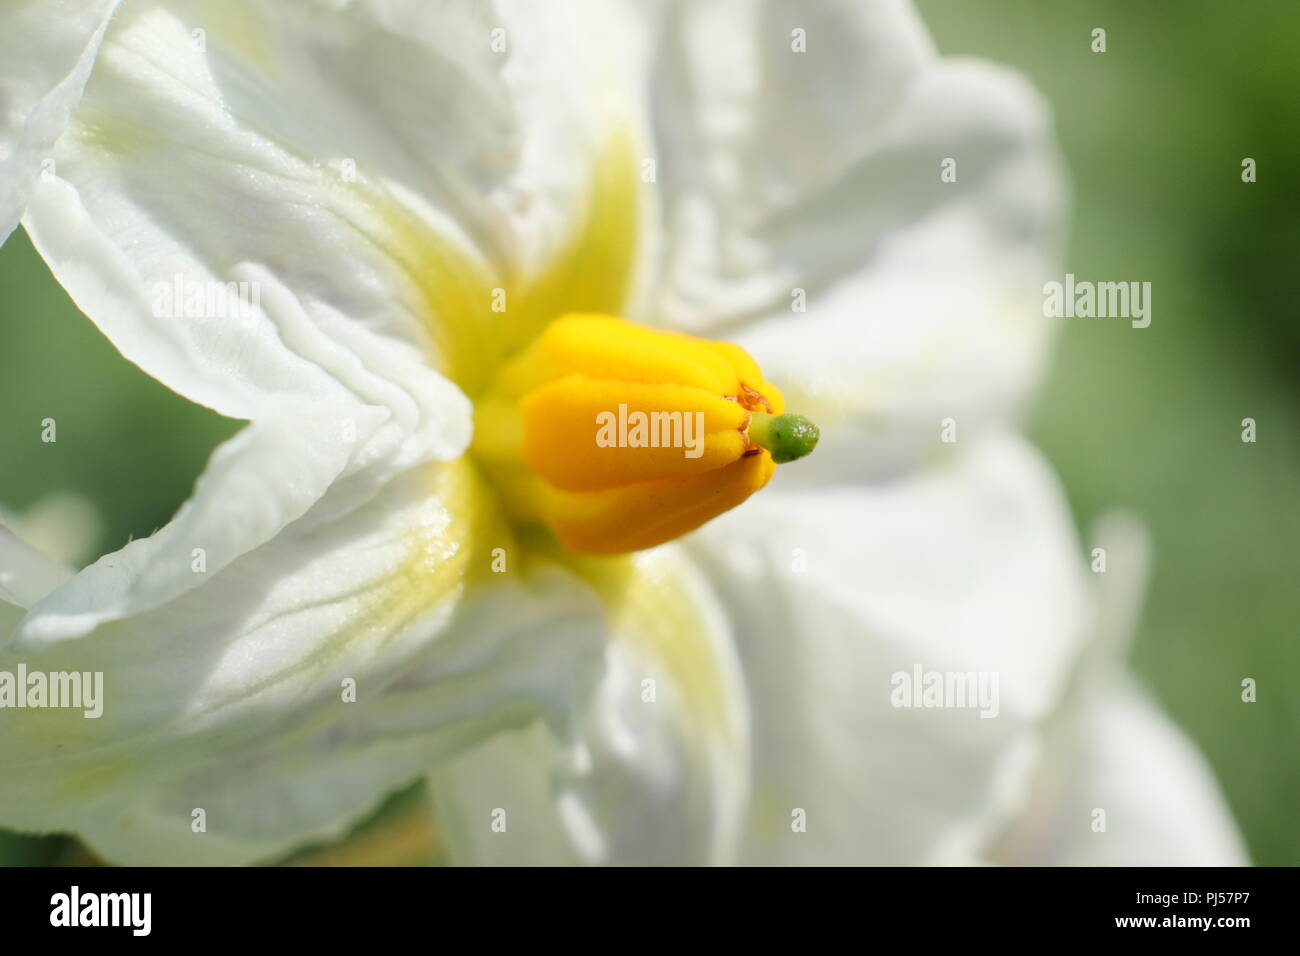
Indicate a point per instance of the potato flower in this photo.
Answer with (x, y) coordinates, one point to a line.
(529, 309)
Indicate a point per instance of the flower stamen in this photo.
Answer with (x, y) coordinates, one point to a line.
(619, 437)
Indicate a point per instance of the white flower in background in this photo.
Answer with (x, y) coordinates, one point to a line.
(417, 193)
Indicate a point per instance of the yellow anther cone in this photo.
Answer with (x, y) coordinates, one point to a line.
(620, 437)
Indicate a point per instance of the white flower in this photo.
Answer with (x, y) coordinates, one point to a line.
(384, 178)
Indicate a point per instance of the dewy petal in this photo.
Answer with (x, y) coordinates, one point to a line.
(231, 698)
(813, 179)
(47, 51)
(968, 567)
(654, 769)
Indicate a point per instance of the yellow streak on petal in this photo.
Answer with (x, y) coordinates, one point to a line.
(592, 271)
(450, 548)
(654, 603)
(454, 286)
(446, 549)
(659, 607)
(595, 270)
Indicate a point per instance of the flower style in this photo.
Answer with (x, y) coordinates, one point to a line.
(474, 229)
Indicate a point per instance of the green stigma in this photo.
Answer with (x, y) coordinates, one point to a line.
(788, 437)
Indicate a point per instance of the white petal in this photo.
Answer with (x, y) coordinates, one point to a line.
(970, 567)
(1118, 784)
(230, 697)
(749, 131)
(213, 147)
(945, 320)
(47, 51)
(655, 768)
(817, 175)
(380, 160)
(351, 439)
(217, 143)
(1121, 755)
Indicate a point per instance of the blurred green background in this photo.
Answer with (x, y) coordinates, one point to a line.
(1154, 131)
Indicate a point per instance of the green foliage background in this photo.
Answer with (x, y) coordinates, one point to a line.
(1154, 131)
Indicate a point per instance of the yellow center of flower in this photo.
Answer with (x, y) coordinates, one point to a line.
(619, 437)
